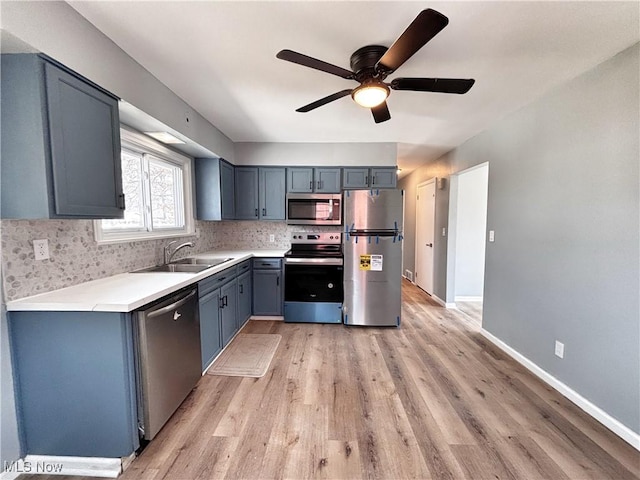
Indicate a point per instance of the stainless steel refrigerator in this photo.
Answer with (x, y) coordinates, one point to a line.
(372, 245)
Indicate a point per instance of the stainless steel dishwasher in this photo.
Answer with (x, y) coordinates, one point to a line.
(168, 357)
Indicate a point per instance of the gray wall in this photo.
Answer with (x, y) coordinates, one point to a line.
(471, 226)
(564, 203)
(317, 154)
(439, 169)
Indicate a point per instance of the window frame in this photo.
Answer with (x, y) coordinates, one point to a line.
(141, 144)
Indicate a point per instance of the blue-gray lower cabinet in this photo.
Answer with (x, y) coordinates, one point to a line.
(60, 143)
(267, 286)
(210, 335)
(75, 383)
(228, 310)
(244, 298)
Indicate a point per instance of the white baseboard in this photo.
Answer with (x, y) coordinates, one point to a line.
(272, 318)
(72, 466)
(442, 302)
(468, 298)
(624, 432)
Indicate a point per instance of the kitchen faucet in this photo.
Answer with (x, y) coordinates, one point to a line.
(168, 254)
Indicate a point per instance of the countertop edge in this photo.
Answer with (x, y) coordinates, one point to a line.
(40, 302)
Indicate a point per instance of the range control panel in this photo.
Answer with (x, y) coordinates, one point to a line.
(318, 237)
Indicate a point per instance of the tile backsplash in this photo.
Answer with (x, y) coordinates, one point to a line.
(75, 257)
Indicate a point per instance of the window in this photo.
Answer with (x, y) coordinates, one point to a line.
(156, 183)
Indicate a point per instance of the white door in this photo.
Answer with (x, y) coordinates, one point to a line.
(425, 224)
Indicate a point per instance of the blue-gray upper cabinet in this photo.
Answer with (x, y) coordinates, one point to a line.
(260, 193)
(300, 180)
(319, 180)
(379, 177)
(247, 193)
(272, 188)
(60, 143)
(215, 187)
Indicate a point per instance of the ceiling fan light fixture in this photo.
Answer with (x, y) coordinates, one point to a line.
(370, 95)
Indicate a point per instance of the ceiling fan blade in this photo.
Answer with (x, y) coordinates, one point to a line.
(300, 59)
(323, 101)
(381, 113)
(424, 27)
(441, 85)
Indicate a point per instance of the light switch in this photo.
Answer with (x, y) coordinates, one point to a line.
(492, 236)
(444, 232)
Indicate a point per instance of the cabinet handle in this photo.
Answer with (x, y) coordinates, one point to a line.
(278, 281)
(373, 179)
(221, 302)
(367, 180)
(311, 185)
(264, 212)
(256, 212)
(318, 184)
(241, 288)
(121, 202)
(225, 301)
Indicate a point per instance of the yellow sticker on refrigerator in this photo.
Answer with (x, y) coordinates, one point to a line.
(371, 262)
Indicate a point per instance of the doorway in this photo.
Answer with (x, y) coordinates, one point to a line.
(425, 226)
(470, 239)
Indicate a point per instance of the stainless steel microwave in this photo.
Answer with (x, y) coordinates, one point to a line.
(314, 209)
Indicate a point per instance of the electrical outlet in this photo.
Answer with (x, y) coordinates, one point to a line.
(559, 349)
(444, 232)
(272, 238)
(492, 235)
(41, 249)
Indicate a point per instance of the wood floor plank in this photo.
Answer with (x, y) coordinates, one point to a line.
(431, 399)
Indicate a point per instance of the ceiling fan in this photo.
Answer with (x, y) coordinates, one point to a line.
(370, 65)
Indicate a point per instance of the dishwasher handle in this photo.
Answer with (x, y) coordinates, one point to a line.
(173, 306)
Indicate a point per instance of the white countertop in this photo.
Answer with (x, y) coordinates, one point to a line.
(128, 291)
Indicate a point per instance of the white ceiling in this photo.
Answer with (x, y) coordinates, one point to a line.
(220, 57)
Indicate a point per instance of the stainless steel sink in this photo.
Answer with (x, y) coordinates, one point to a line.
(211, 261)
(176, 268)
(187, 265)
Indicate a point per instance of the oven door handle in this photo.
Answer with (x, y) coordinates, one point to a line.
(313, 261)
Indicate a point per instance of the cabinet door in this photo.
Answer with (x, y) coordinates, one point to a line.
(244, 298)
(210, 344)
(267, 292)
(84, 129)
(227, 190)
(300, 180)
(383, 177)
(246, 193)
(207, 173)
(355, 178)
(228, 310)
(327, 180)
(272, 193)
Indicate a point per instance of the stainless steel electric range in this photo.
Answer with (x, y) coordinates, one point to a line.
(313, 278)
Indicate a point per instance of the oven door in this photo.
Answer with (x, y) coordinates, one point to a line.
(313, 291)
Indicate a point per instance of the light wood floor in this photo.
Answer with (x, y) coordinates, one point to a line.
(431, 399)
